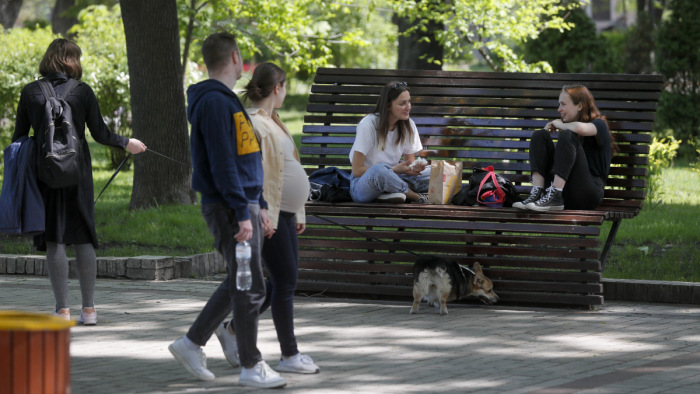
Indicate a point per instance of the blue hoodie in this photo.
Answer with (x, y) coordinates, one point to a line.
(226, 157)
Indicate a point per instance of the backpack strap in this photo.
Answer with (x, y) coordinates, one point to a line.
(70, 85)
(46, 88)
(497, 187)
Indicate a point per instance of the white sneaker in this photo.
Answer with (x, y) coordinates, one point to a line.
(261, 376)
(228, 345)
(63, 313)
(422, 198)
(299, 363)
(395, 198)
(88, 317)
(194, 361)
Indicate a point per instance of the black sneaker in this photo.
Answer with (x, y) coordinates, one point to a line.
(552, 200)
(535, 194)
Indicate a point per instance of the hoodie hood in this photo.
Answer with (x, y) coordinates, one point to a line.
(197, 91)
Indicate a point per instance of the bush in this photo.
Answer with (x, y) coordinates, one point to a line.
(100, 34)
(661, 155)
(579, 49)
(19, 62)
(678, 59)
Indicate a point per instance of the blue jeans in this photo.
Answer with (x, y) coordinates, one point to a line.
(223, 225)
(377, 180)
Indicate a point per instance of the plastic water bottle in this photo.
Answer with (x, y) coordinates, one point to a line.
(244, 279)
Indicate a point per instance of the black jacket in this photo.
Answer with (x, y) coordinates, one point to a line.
(70, 213)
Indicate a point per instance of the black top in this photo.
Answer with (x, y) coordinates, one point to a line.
(70, 215)
(598, 152)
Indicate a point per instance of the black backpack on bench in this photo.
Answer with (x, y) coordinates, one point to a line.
(59, 146)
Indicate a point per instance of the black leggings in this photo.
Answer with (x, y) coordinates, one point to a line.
(281, 256)
(568, 160)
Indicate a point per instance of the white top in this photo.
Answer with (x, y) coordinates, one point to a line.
(366, 142)
(295, 183)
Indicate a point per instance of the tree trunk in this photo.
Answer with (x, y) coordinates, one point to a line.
(414, 53)
(9, 11)
(158, 103)
(60, 22)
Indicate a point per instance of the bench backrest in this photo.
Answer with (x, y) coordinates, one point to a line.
(486, 118)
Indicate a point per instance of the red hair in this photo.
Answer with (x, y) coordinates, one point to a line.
(589, 110)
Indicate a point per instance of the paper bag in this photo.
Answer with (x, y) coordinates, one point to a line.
(445, 181)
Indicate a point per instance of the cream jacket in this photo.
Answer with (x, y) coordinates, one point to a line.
(273, 161)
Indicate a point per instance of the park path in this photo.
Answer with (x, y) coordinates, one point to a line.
(367, 346)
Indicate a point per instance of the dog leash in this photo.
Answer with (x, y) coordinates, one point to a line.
(128, 155)
(393, 246)
(169, 158)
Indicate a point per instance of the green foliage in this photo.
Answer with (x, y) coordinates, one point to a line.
(378, 49)
(678, 59)
(296, 34)
(661, 155)
(579, 49)
(639, 44)
(22, 50)
(491, 27)
(661, 243)
(100, 35)
(572, 50)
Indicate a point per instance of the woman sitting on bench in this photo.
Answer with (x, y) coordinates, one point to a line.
(578, 166)
(382, 138)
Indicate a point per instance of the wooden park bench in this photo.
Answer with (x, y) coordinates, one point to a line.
(480, 118)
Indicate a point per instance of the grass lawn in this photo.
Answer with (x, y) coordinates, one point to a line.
(661, 243)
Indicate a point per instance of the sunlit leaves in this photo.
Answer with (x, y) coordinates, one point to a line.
(491, 27)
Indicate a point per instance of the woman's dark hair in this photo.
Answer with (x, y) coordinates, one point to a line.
(265, 77)
(62, 56)
(390, 92)
(217, 48)
(589, 110)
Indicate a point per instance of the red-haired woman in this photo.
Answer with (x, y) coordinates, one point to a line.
(577, 167)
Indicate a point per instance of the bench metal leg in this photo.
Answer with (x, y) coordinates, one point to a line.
(609, 242)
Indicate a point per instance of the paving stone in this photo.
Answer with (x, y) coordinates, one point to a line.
(376, 346)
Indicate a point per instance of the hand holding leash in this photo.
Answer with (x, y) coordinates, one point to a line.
(135, 146)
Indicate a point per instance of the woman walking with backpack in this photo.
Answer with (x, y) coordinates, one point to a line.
(69, 210)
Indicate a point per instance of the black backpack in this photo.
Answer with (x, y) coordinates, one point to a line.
(482, 190)
(59, 146)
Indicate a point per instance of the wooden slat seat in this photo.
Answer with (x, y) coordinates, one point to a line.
(482, 119)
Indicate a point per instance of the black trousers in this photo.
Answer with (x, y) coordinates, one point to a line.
(568, 160)
(281, 256)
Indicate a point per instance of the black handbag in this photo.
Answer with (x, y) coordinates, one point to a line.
(486, 188)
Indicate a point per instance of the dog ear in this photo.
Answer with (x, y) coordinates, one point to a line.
(477, 267)
(479, 280)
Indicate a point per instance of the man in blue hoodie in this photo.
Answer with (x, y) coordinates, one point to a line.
(227, 172)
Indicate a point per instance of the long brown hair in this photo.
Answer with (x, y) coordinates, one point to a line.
(589, 110)
(265, 77)
(62, 56)
(390, 92)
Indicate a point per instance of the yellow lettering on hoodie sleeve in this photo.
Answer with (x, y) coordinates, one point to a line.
(245, 137)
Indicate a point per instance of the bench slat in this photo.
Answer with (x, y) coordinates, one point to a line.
(481, 119)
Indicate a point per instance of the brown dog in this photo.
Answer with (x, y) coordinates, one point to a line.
(440, 281)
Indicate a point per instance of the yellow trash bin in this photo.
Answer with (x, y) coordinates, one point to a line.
(34, 353)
